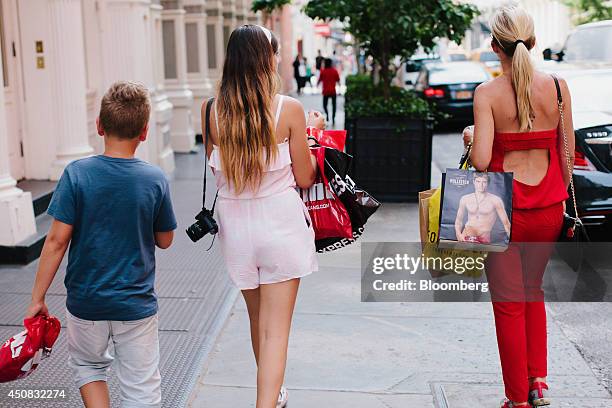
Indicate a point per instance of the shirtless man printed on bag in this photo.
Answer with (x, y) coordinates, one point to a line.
(482, 208)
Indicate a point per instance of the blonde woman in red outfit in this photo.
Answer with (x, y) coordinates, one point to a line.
(518, 128)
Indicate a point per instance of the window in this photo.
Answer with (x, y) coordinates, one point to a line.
(211, 46)
(3, 51)
(458, 74)
(170, 70)
(488, 56)
(192, 45)
(589, 44)
(457, 57)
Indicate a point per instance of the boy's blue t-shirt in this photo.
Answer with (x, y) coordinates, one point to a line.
(115, 206)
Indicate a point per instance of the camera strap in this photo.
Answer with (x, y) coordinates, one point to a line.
(206, 138)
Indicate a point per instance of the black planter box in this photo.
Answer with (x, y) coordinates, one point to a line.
(392, 156)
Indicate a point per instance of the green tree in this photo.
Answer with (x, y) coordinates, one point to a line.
(591, 10)
(385, 29)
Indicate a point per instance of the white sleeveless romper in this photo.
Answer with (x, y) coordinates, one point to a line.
(265, 235)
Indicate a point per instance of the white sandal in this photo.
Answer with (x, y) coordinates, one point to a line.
(283, 397)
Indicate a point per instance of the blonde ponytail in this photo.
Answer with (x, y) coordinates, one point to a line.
(522, 74)
(512, 29)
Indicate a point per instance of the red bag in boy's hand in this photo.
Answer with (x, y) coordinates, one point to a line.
(21, 354)
(328, 138)
(329, 217)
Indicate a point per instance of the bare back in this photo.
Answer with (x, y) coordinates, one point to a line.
(495, 111)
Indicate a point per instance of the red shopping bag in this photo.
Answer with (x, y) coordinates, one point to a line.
(328, 138)
(21, 354)
(358, 204)
(329, 217)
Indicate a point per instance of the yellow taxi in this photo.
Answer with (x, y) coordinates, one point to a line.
(489, 59)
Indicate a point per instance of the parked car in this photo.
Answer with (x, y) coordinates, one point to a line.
(585, 62)
(450, 86)
(413, 66)
(489, 59)
(456, 56)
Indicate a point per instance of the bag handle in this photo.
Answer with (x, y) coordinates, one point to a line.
(464, 161)
(565, 146)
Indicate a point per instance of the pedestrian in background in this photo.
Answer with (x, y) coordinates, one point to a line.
(518, 128)
(329, 77)
(113, 209)
(319, 60)
(308, 77)
(259, 152)
(299, 72)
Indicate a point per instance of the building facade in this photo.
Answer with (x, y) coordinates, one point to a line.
(59, 57)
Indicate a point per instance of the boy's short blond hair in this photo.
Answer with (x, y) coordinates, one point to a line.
(125, 109)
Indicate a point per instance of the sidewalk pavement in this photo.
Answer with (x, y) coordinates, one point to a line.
(344, 353)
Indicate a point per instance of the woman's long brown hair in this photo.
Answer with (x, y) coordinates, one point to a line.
(247, 139)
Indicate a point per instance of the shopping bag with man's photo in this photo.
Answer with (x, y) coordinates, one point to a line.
(475, 211)
(429, 223)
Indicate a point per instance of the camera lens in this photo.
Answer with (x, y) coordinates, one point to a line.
(194, 232)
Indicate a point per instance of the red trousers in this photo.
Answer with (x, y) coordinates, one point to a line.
(515, 280)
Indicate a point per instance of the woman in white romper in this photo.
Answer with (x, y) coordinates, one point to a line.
(259, 153)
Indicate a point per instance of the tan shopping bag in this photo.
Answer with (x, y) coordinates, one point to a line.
(429, 218)
(424, 214)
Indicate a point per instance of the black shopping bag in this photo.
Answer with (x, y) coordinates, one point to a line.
(358, 203)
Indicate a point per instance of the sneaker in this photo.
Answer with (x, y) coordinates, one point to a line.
(538, 394)
(283, 397)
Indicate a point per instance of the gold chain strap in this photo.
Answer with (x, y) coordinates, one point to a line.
(568, 161)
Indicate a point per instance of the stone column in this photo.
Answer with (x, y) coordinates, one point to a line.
(125, 50)
(286, 40)
(196, 40)
(162, 108)
(214, 38)
(16, 211)
(175, 71)
(53, 58)
(229, 19)
(251, 18)
(241, 12)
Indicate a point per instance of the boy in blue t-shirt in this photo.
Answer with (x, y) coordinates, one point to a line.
(113, 209)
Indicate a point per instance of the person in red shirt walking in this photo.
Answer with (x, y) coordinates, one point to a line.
(329, 76)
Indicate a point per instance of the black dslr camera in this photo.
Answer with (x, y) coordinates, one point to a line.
(205, 224)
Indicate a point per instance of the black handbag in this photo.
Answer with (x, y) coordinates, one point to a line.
(573, 229)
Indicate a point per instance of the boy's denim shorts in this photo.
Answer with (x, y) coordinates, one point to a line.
(134, 351)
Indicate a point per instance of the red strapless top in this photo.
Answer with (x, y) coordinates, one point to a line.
(551, 190)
